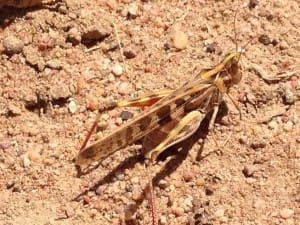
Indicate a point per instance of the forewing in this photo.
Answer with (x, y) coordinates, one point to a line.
(158, 135)
(167, 108)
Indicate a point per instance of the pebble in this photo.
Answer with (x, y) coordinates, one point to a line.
(253, 4)
(223, 219)
(283, 45)
(162, 220)
(243, 139)
(214, 48)
(93, 103)
(57, 92)
(133, 10)
(180, 40)
(279, 3)
(273, 125)
(188, 176)
(86, 199)
(288, 96)
(124, 88)
(112, 4)
(14, 110)
(33, 57)
(148, 68)
(34, 155)
(54, 64)
(251, 180)
(259, 204)
(129, 188)
(126, 115)
(286, 213)
(93, 213)
(135, 180)
(101, 205)
(12, 45)
(5, 145)
(209, 190)
(72, 107)
(264, 39)
(26, 161)
(172, 187)
(117, 70)
(119, 121)
(32, 131)
(100, 189)
(294, 82)
(257, 143)
(96, 32)
(10, 184)
(178, 211)
(120, 175)
(70, 212)
(288, 126)
(249, 170)
(163, 183)
(137, 193)
(80, 85)
(17, 188)
(130, 52)
(74, 36)
(219, 213)
(102, 125)
(188, 203)
(269, 15)
(111, 77)
(62, 9)
(129, 213)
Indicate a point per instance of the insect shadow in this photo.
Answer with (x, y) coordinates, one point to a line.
(8, 14)
(178, 152)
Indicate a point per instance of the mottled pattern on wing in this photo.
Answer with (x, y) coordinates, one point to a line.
(155, 137)
(167, 108)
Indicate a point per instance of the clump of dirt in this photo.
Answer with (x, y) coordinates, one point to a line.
(61, 60)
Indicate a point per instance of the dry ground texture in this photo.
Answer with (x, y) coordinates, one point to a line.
(60, 61)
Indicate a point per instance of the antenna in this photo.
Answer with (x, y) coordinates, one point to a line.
(234, 27)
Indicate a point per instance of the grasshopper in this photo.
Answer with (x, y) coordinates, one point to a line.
(172, 116)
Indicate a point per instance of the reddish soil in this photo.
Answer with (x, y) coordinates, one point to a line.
(61, 61)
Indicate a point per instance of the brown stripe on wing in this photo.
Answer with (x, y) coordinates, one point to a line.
(145, 123)
(155, 137)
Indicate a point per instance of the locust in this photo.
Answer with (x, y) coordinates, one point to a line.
(171, 116)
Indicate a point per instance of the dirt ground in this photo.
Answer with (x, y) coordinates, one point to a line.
(61, 61)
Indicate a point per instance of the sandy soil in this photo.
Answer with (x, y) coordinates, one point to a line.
(61, 61)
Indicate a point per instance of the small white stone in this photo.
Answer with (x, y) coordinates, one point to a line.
(117, 69)
(125, 88)
(288, 126)
(219, 213)
(286, 213)
(163, 220)
(133, 9)
(111, 77)
(172, 187)
(26, 161)
(135, 180)
(180, 40)
(72, 107)
(34, 155)
(273, 125)
(12, 45)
